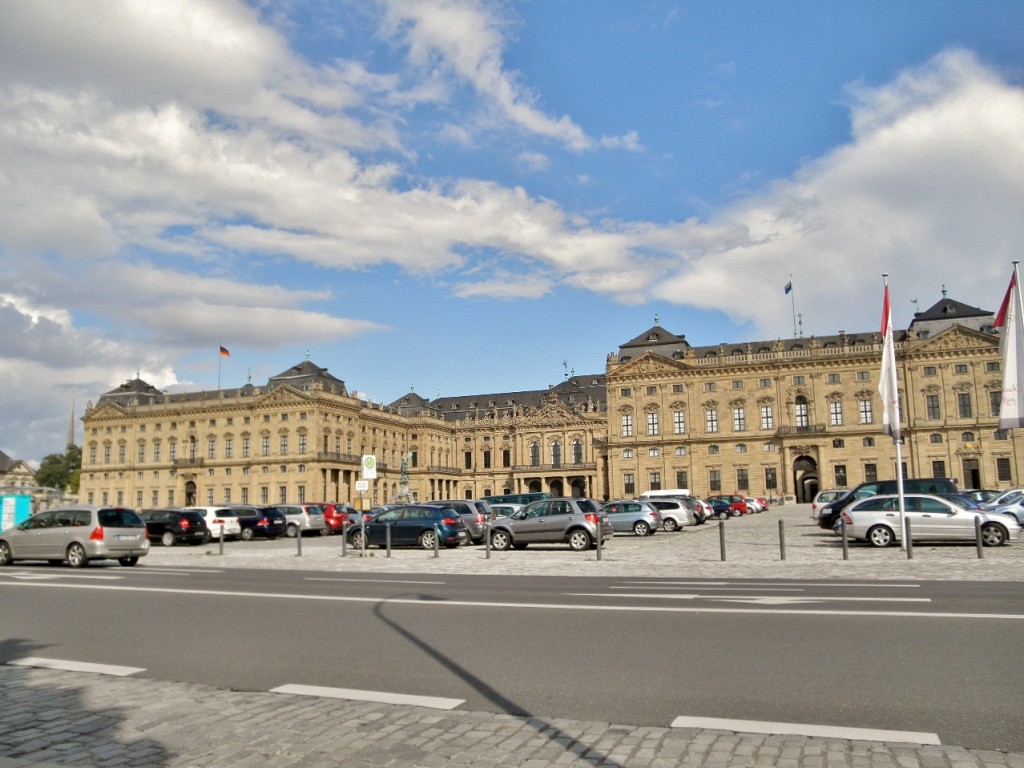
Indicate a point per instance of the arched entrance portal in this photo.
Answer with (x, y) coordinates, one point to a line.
(555, 488)
(190, 494)
(805, 479)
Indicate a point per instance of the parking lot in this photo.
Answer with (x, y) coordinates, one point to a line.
(752, 550)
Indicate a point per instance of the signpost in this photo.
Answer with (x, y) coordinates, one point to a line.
(369, 464)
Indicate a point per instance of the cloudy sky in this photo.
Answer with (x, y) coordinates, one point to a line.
(464, 196)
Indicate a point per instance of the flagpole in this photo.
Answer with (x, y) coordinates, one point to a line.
(792, 300)
(889, 389)
(219, 356)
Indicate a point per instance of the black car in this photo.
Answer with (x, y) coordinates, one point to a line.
(411, 525)
(268, 523)
(175, 526)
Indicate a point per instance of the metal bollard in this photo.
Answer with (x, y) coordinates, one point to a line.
(782, 540)
(599, 538)
(344, 541)
(721, 538)
(846, 539)
(909, 540)
(387, 539)
(487, 539)
(977, 537)
(437, 542)
(298, 540)
(220, 546)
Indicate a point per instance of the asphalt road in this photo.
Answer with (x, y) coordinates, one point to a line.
(932, 657)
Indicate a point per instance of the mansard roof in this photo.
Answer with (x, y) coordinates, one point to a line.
(588, 389)
(949, 309)
(305, 373)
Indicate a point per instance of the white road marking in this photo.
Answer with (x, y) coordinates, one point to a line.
(373, 581)
(534, 606)
(806, 729)
(381, 697)
(771, 585)
(52, 575)
(76, 666)
(766, 600)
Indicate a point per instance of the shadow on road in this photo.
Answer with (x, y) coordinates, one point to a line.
(46, 718)
(550, 732)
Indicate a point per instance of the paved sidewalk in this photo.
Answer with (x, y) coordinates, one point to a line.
(54, 717)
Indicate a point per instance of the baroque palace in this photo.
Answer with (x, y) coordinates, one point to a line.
(778, 419)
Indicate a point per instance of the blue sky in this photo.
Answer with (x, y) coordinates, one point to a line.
(464, 196)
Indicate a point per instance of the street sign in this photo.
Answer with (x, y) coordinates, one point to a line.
(370, 467)
(362, 486)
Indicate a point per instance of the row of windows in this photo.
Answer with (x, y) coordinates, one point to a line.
(262, 497)
(766, 414)
(742, 477)
(799, 380)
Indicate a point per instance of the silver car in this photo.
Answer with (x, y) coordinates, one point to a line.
(575, 520)
(77, 534)
(876, 520)
(631, 516)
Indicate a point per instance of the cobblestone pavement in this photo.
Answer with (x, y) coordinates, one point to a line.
(52, 717)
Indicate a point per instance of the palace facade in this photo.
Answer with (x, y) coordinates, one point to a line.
(778, 419)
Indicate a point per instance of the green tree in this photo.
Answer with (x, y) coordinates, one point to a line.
(59, 470)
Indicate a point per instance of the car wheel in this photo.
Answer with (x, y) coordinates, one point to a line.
(247, 534)
(293, 530)
(427, 539)
(736, 513)
(880, 536)
(500, 540)
(640, 528)
(723, 515)
(76, 556)
(326, 531)
(128, 561)
(167, 539)
(207, 538)
(670, 524)
(993, 535)
(579, 540)
(356, 539)
(5, 553)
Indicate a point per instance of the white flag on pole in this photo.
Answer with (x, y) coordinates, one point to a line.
(888, 387)
(1011, 347)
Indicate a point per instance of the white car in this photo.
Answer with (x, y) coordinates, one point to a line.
(674, 513)
(876, 520)
(821, 498)
(218, 518)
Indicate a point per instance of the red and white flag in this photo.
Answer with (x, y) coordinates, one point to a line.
(1011, 347)
(888, 387)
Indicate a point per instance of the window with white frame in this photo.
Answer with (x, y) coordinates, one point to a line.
(653, 425)
(711, 420)
(678, 422)
(767, 417)
(627, 425)
(739, 419)
(835, 413)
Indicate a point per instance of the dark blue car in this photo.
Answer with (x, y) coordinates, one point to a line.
(268, 523)
(412, 525)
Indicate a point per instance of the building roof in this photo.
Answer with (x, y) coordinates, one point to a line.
(949, 309)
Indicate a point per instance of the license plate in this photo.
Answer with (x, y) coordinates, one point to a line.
(126, 537)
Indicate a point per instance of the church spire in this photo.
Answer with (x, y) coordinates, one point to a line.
(71, 423)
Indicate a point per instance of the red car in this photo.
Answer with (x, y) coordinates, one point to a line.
(338, 516)
(737, 504)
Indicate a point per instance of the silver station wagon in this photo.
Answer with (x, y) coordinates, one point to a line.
(77, 535)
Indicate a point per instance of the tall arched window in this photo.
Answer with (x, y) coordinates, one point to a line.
(577, 451)
(802, 420)
(556, 453)
(535, 454)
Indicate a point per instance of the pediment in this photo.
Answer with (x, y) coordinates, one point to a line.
(282, 395)
(956, 337)
(649, 364)
(107, 410)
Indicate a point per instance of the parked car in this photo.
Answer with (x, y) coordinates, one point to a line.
(218, 518)
(737, 504)
(631, 516)
(1004, 498)
(982, 496)
(753, 505)
(475, 513)
(721, 508)
(267, 523)
(77, 534)
(821, 498)
(302, 519)
(876, 520)
(574, 520)
(174, 526)
(675, 513)
(1014, 509)
(504, 510)
(828, 514)
(412, 525)
(338, 516)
